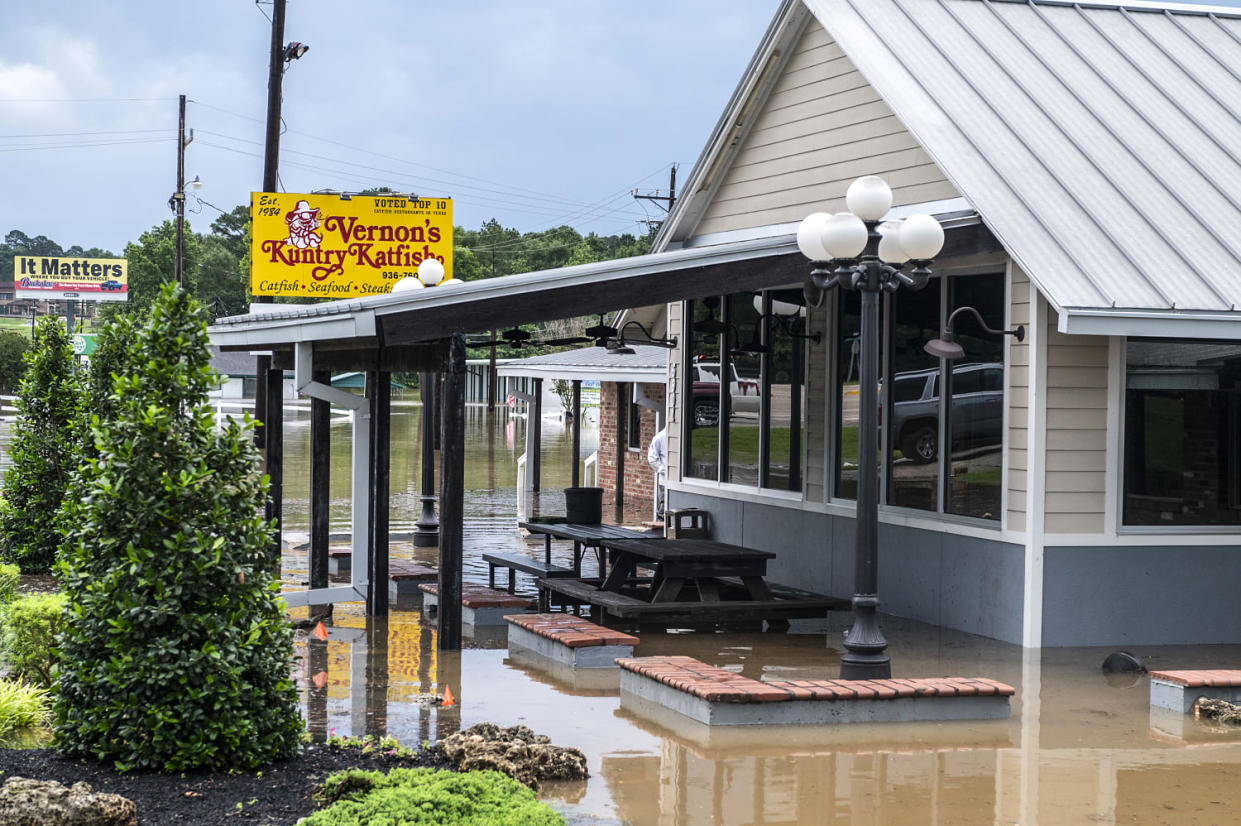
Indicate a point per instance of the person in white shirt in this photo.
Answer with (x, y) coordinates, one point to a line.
(657, 457)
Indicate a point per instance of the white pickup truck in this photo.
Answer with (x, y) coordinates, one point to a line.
(744, 393)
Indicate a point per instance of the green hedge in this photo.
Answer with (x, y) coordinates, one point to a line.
(433, 797)
(28, 639)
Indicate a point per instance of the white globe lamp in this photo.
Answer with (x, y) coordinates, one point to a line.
(922, 237)
(407, 284)
(869, 197)
(430, 271)
(890, 248)
(844, 236)
(810, 236)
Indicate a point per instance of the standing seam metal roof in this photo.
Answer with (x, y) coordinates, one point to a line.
(1101, 145)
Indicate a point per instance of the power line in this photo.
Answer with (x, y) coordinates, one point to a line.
(83, 145)
(77, 134)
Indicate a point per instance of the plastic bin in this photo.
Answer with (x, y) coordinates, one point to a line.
(583, 506)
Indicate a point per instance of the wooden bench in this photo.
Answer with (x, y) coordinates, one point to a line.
(573, 641)
(480, 606)
(714, 696)
(1179, 690)
(517, 562)
(404, 576)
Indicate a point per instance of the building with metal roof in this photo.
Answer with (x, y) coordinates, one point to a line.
(1084, 160)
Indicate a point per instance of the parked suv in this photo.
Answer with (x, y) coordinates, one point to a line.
(977, 409)
(743, 392)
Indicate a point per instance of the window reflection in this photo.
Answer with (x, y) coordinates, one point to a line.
(848, 364)
(703, 401)
(976, 385)
(913, 410)
(784, 388)
(744, 380)
(1182, 433)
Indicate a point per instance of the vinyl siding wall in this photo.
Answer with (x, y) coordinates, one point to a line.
(821, 128)
(673, 395)
(1018, 401)
(818, 404)
(1076, 431)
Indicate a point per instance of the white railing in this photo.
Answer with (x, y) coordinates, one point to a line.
(590, 470)
(523, 489)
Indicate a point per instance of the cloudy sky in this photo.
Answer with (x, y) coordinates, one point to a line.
(537, 113)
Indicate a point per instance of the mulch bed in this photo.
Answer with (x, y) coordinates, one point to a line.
(280, 793)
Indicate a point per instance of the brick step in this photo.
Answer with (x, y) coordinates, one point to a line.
(1179, 690)
(480, 605)
(573, 641)
(715, 696)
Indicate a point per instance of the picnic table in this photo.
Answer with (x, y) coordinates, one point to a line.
(678, 562)
(583, 536)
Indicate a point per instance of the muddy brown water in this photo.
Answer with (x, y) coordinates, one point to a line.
(1079, 748)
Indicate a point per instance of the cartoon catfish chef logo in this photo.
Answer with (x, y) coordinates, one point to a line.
(303, 220)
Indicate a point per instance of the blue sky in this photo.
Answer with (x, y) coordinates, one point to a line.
(537, 113)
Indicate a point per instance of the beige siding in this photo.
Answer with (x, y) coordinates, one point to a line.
(816, 409)
(821, 127)
(1018, 400)
(673, 397)
(1076, 431)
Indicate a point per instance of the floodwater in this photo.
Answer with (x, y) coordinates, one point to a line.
(1079, 748)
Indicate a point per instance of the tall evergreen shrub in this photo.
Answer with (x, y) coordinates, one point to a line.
(175, 653)
(43, 450)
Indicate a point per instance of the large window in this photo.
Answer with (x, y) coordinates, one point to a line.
(940, 457)
(747, 407)
(1182, 433)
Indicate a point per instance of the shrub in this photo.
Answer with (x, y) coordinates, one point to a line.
(430, 796)
(43, 450)
(175, 652)
(22, 705)
(12, 347)
(110, 359)
(10, 576)
(31, 624)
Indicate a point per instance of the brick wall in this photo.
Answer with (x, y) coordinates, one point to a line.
(639, 478)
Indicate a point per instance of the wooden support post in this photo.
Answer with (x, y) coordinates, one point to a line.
(577, 433)
(534, 419)
(622, 419)
(274, 451)
(376, 675)
(379, 390)
(452, 496)
(320, 474)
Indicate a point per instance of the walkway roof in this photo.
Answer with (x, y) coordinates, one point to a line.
(646, 364)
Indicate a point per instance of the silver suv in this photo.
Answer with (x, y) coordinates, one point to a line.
(977, 409)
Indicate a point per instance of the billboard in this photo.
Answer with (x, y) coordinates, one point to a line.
(328, 246)
(77, 279)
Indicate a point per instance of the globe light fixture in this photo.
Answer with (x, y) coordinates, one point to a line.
(430, 272)
(407, 284)
(853, 250)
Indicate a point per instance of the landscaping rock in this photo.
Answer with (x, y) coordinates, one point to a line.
(25, 802)
(516, 751)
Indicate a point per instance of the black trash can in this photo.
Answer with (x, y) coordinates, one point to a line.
(583, 506)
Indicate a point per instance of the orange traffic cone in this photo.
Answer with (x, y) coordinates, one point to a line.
(320, 679)
(320, 631)
(448, 700)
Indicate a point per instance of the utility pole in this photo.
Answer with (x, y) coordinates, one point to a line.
(271, 161)
(178, 197)
(665, 202)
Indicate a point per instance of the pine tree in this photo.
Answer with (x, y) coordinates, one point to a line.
(43, 451)
(176, 653)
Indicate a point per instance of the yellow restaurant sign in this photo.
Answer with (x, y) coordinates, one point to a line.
(325, 246)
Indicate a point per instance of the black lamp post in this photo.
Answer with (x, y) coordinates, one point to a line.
(427, 534)
(855, 251)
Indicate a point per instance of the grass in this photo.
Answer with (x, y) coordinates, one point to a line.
(22, 705)
(417, 796)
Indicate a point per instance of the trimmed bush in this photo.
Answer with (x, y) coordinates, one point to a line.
(12, 347)
(176, 653)
(10, 576)
(430, 796)
(22, 705)
(43, 450)
(31, 624)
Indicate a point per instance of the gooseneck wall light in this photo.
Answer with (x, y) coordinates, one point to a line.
(857, 250)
